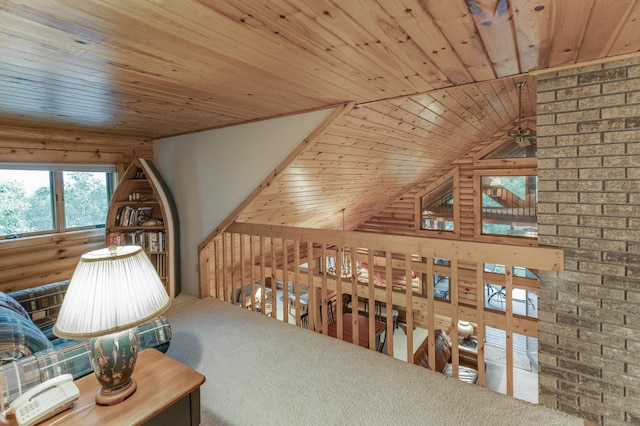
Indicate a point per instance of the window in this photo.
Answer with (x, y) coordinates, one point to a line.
(441, 282)
(39, 199)
(509, 205)
(512, 149)
(438, 209)
(524, 300)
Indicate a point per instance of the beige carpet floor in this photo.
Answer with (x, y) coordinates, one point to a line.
(260, 371)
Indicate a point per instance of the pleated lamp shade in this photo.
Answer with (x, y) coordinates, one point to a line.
(112, 289)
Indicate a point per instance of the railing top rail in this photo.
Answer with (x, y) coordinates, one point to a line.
(545, 258)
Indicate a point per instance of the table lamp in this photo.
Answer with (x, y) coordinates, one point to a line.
(112, 291)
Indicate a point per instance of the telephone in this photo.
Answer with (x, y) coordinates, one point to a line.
(45, 400)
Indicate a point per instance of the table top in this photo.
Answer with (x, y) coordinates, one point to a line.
(347, 329)
(161, 382)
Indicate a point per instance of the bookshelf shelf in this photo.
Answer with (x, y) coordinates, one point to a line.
(143, 213)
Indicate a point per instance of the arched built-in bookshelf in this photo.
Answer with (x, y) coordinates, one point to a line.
(142, 212)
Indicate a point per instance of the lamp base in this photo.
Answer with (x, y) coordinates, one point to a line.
(111, 397)
(113, 358)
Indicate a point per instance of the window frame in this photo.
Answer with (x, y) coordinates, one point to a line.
(453, 174)
(57, 193)
(477, 204)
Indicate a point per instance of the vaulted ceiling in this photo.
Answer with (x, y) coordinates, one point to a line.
(429, 79)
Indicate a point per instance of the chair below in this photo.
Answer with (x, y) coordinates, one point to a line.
(498, 293)
(443, 358)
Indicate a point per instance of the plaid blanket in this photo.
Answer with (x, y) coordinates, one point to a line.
(66, 356)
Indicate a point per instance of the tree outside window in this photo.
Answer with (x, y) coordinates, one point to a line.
(28, 200)
(510, 205)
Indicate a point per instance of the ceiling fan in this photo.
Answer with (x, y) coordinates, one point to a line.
(523, 137)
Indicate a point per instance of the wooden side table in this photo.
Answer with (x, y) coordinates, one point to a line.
(168, 394)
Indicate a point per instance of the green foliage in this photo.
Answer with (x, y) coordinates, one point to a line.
(12, 205)
(85, 197)
(519, 186)
(86, 200)
(38, 211)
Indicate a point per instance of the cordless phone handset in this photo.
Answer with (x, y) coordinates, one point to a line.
(45, 400)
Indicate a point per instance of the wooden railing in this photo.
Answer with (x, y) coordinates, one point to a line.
(248, 257)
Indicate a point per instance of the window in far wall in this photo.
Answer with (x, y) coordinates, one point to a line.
(437, 208)
(510, 205)
(42, 199)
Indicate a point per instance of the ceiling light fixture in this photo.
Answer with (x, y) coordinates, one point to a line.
(522, 137)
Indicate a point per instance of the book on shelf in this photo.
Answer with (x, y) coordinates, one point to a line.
(159, 261)
(132, 216)
(150, 241)
(142, 215)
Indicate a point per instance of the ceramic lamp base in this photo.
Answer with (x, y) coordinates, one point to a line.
(113, 358)
(116, 397)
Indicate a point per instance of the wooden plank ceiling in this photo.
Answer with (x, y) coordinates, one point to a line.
(430, 79)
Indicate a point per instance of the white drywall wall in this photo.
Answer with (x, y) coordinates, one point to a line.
(210, 173)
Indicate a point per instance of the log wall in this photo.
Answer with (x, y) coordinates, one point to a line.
(401, 217)
(32, 261)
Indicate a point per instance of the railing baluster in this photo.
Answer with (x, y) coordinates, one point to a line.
(508, 283)
(274, 277)
(480, 322)
(263, 277)
(324, 307)
(339, 304)
(354, 295)
(431, 317)
(296, 279)
(243, 295)
(224, 262)
(371, 299)
(225, 266)
(454, 288)
(252, 272)
(408, 272)
(218, 268)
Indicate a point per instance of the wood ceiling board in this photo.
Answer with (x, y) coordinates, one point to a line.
(265, 50)
(299, 28)
(473, 97)
(628, 39)
(463, 112)
(401, 129)
(532, 23)
(457, 25)
(421, 122)
(396, 40)
(365, 53)
(157, 69)
(605, 23)
(211, 64)
(430, 114)
(424, 32)
(450, 113)
(569, 21)
(499, 99)
(493, 23)
(374, 151)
